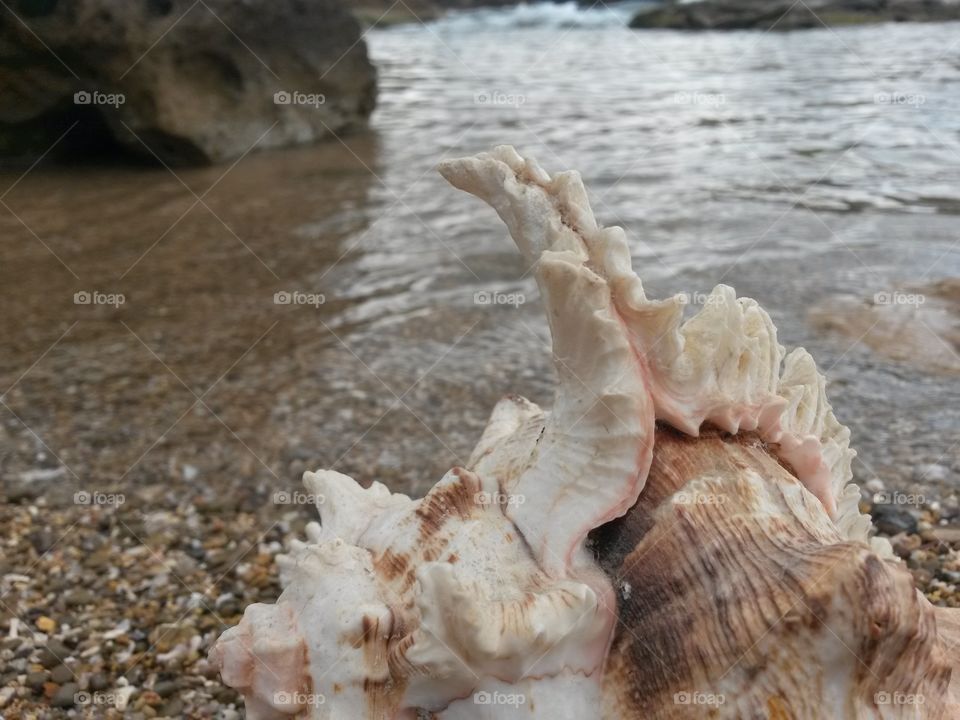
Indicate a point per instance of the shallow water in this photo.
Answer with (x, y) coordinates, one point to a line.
(794, 167)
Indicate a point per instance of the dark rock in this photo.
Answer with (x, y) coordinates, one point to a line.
(80, 596)
(99, 681)
(207, 91)
(61, 674)
(786, 15)
(166, 688)
(173, 709)
(42, 540)
(18, 492)
(385, 13)
(35, 680)
(64, 697)
(891, 520)
(53, 654)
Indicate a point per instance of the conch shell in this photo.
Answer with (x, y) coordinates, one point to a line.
(677, 538)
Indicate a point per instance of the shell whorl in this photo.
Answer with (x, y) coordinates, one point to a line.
(681, 521)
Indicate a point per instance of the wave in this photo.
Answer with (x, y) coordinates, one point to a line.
(541, 15)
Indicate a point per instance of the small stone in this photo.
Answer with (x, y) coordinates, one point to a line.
(947, 534)
(35, 680)
(61, 674)
(904, 544)
(53, 654)
(42, 540)
(172, 709)
(80, 596)
(931, 472)
(99, 681)
(64, 697)
(891, 520)
(149, 697)
(875, 485)
(951, 576)
(166, 688)
(46, 624)
(226, 695)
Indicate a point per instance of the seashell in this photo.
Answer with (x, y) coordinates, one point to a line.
(678, 537)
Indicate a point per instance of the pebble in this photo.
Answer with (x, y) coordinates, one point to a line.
(172, 709)
(80, 596)
(931, 472)
(99, 681)
(947, 534)
(166, 688)
(904, 545)
(891, 520)
(53, 654)
(875, 485)
(35, 680)
(148, 697)
(61, 674)
(46, 624)
(64, 697)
